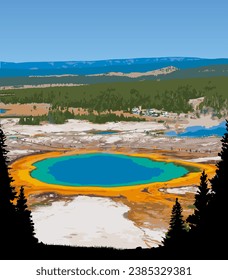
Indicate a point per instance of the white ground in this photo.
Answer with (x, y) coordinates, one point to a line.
(76, 134)
(91, 221)
(20, 152)
(11, 126)
(204, 159)
(182, 190)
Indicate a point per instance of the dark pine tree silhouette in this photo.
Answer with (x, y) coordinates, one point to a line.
(197, 237)
(177, 230)
(206, 238)
(218, 209)
(16, 226)
(202, 199)
(24, 219)
(7, 196)
(220, 180)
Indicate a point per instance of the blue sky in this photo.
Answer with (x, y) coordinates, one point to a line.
(53, 30)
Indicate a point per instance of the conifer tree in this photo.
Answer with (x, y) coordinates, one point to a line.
(202, 198)
(177, 230)
(218, 211)
(24, 219)
(207, 234)
(16, 226)
(220, 180)
(7, 196)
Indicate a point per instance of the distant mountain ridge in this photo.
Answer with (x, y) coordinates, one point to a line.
(169, 73)
(26, 69)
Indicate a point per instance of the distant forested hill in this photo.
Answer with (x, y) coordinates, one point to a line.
(26, 69)
(169, 95)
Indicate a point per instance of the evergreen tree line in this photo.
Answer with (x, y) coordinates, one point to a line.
(61, 115)
(171, 96)
(16, 225)
(203, 234)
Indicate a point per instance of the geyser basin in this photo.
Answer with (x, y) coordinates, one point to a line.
(104, 170)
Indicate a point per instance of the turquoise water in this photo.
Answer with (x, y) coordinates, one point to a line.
(2, 111)
(104, 170)
(106, 132)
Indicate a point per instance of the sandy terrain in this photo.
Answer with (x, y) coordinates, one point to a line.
(41, 86)
(196, 102)
(162, 71)
(32, 109)
(204, 120)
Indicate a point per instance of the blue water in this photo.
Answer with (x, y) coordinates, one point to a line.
(201, 131)
(106, 132)
(2, 111)
(104, 170)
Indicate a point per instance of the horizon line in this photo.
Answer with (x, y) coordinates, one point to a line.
(108, 59)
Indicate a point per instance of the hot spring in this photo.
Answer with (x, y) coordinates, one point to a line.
(105, 170)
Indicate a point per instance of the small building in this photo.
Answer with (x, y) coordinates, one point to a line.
(136, 110)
